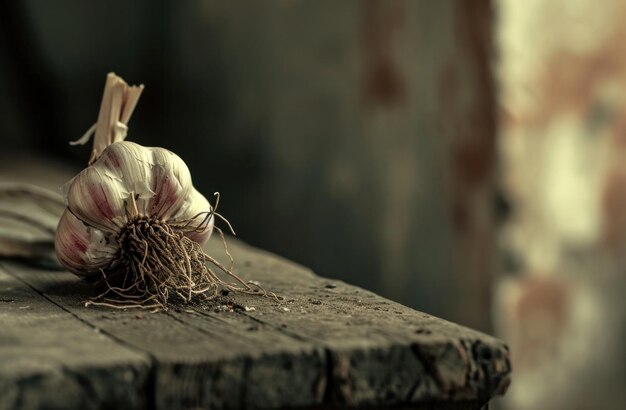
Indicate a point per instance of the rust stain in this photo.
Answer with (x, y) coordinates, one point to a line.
(384, 83)
(613, 190)
(474, 157)
(568, 82)
(471, 121)
(474, 145)
(466, 91)
(614, 210)
(550, 300)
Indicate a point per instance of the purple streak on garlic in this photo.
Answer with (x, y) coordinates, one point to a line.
(126, 182)
(83, 249)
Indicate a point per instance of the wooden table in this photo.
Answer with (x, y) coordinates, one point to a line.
(329, 344)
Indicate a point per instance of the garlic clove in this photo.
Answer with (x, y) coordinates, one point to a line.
(132, 165)
(171, 183)
(194, 211)
(81, 248)
(97, 198)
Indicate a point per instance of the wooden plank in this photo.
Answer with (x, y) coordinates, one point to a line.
(216, 362)
(379, 352)
(51, 359)
(328, 343)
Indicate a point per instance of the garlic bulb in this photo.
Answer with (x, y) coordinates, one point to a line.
(134, 222)
(127, 182)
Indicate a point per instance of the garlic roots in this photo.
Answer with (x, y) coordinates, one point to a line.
(134, 220)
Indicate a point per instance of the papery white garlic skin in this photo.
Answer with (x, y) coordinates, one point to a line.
(128, 181)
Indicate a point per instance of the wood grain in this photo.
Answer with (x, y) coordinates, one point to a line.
(51, 359)
(327, 344)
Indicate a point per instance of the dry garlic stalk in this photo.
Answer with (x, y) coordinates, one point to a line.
(134, 220)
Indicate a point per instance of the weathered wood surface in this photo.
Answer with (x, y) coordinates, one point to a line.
(327, 344)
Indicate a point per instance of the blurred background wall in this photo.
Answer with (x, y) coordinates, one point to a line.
(355, 137)
(562, 143)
